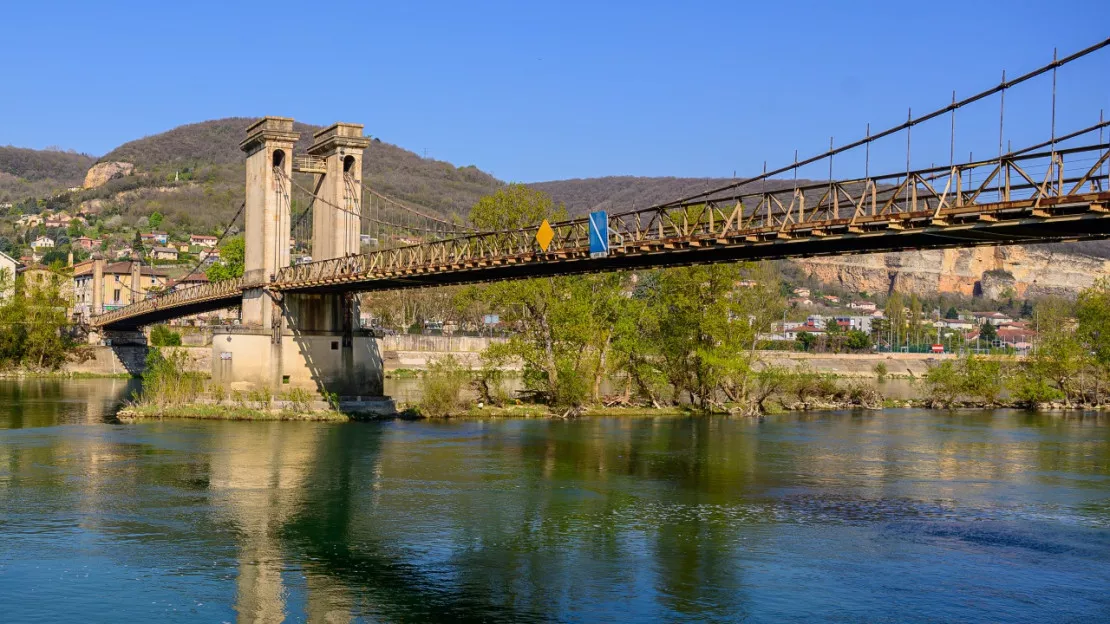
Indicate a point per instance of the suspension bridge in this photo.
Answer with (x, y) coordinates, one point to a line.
(303, 265)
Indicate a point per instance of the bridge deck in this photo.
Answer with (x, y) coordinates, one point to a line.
(1080, 217)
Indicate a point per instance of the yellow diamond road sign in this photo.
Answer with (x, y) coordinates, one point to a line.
(544, 235)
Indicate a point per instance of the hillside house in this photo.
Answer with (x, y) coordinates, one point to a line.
(42, 242)
(202, 240)
(154, 238)
(86, 243)
(994, 318)
(188, 281)
(60, 220)
(863, 306)
(955, 324)
(862, 323)
(164, 253)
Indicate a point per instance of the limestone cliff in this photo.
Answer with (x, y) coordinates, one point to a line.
(102, 172)
(989, 271)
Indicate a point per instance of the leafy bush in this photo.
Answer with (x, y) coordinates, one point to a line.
(972, 377)
(881, 371)
(1029, 389)
(162, 336)
(166, 380)
(299, 399)
(261, 397)
(443, 387)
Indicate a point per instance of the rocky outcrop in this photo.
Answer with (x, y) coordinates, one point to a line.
(997, 284)
(989, 271)
(101, 173)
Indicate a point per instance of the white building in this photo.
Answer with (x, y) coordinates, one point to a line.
(43, 242)
(8, 268)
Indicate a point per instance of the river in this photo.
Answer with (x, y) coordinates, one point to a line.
(896, 516)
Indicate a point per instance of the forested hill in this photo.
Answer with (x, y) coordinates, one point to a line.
(209, 152)
(34, 173)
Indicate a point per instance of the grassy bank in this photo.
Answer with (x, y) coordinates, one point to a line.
(30, 373)
(145, 412)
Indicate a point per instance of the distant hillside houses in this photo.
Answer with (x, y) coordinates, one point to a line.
(60, 220)
(154, 238)
(817, 324)
(203, 240)
(43, 242)
(29, 221)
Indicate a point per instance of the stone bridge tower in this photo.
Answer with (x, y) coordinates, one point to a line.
(269, 147)
(308, 340)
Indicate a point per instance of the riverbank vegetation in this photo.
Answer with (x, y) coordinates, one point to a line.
(171, 390)
(34, 332)
(687, 336)
(690, 337)
(1070, 366)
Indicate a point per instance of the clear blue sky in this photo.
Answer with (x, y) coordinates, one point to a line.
(537, 91)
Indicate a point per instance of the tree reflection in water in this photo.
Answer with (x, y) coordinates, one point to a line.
(628, 519)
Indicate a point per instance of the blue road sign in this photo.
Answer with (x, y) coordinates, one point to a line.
(599, 234)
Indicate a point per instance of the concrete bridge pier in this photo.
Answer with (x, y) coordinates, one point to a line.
(299, 340)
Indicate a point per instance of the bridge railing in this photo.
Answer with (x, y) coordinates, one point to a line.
(176, 298)
(875, 202)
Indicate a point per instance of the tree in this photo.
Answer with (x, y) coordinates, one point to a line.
(513, 206)
(230, 265)
(33, 321)
(806, 340)
(1061, 355)
(916, 318)
(155, 220)
(988, 332)
(858, 340)
(1092, 309)
(566, 323)
(895, 314)
(952, 313)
